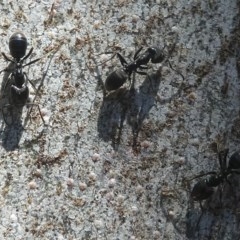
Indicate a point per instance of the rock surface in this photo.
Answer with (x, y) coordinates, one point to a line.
(116, 165)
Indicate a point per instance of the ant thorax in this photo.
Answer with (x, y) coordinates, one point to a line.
(214, 181)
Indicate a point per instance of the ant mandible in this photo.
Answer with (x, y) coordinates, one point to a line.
(19, 91)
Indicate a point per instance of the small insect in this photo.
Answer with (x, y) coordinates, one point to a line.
(203, 189)
(118, 77)
(19, 91)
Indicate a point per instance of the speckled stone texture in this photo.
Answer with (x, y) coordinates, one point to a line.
(118, 165)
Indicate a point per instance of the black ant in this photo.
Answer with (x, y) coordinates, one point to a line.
(19, 91)
(203, 189)
(118, 77)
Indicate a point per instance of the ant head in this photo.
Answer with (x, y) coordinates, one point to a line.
(158, 54)
(18, 45)
(152, 51)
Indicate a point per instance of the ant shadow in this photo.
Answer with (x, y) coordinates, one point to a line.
(12, 126)
(10, 134)
(128, 105)
(132, 106)
(218, 217)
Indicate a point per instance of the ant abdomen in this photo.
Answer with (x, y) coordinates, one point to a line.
(234, 161)
(116, 79)
(201, 191)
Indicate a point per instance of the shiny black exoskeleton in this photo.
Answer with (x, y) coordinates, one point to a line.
(18, 46)
(118, 77)
(203, 189)
(19, 91)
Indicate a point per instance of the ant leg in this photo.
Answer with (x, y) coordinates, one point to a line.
(222, 158)
(132, 83)
(220, 195)
(28, 80)
(105, 60)
(151, 82)
(32, 85)
(137, 52)
(141, 73)
(32, 62)
(235, 171)
(7, 58)
(143, 67)
(40, 112)
(35, 104)
(40, 85)
(201, 175)
(145, 74)
(122, 60)
(6, 83)
(7, 106)
(201, 206)
(7, 69)
(199, 219)
(29, 53)
(175, 70)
